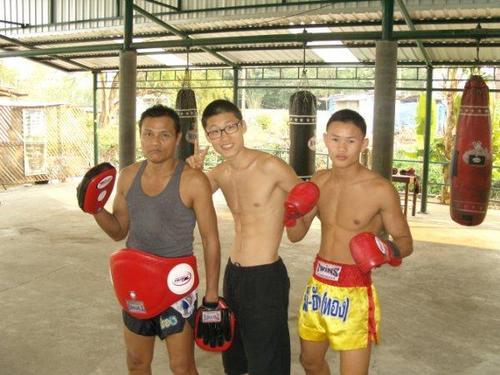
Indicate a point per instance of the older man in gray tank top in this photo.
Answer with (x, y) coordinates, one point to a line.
(157, 204)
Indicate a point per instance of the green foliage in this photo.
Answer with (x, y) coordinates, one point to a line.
(420, 122)
(437, 150)
(108, 143)
(495, 127)
(44, 84)
(264, 121)
(276, 98)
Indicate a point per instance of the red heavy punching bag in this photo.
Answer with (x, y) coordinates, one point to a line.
(472, 161)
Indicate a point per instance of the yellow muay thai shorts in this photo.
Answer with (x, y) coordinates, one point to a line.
(340, 305)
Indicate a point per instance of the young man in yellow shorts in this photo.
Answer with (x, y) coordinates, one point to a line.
(340, 306)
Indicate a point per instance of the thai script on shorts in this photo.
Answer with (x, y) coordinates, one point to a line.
(326, 305)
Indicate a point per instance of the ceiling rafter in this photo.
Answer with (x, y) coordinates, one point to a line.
(255, 34)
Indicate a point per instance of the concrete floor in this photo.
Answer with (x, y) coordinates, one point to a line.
(58, 314)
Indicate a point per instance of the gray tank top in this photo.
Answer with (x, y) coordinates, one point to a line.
(162, 224)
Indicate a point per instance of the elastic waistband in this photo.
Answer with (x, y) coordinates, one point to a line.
(339, 274)
(236, 267)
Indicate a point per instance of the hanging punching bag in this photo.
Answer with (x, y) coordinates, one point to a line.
(185, 104)
(302, 120)
(472, 161)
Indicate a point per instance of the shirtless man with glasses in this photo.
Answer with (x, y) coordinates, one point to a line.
(256, 284)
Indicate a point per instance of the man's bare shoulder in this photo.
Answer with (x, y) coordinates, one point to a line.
(130, 171)
(127, 175)
(133, 167)
(193, 175)
(218, 170)
(320, 176)
(375, 183)
(270, 163)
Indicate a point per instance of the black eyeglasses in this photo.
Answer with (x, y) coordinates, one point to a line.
(229, 129)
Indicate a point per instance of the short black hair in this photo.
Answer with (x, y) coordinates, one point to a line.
(159, 110)
(217, 107)
(348, 115)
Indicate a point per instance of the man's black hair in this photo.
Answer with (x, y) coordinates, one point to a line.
(160, 110)
(217, 107)
(348, 115)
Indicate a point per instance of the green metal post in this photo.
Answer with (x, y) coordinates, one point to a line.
(129, 20)
(384, 96)
(387, 19)
(52, 12)
(427, 139)
(236, 76)
(94, 117)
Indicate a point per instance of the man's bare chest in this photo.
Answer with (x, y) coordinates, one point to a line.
(249, 193)
(349, 208)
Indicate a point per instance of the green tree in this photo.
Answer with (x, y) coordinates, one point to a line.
(420, 122)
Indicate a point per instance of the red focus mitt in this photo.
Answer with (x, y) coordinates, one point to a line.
(300, 200)
(369, 251)
(214, 326)
(96, 187)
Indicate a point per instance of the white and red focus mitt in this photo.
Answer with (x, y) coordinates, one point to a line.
(369, 251)
(96, 187)
(214, 326)
(300, 200)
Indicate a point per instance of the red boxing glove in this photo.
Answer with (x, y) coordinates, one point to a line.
(300, 200)
(96, 187)
(369, 251)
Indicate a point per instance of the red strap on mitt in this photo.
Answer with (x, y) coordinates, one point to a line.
(214, 326)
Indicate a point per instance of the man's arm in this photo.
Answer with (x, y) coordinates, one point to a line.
(116, 224)
(197, 161)
(394, 221)
(300, 229)
(200, 193)
(286, 179)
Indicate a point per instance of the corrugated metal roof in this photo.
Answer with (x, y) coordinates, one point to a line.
(94, 23)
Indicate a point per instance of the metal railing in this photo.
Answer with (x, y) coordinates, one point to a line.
(323, 161)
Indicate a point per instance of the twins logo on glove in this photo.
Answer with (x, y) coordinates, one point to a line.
(214, 326)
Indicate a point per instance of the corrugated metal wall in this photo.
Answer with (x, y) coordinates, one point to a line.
(58, 15)
(45, 15)
(64, 150)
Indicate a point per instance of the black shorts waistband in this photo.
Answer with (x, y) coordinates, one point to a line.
(236, 267)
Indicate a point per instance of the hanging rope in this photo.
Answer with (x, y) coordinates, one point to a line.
(476, 69)
(186, 107)
(303, 82)
(186, 81)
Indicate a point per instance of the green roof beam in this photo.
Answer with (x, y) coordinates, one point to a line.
(475, 33)
(180, 34)
(409, 22)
